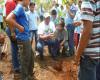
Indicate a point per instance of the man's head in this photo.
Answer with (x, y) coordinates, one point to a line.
(56, 5)
(32, 6)
(54, 13)
(61, 25)
(62, 7)
(47, 18)
(71, 2)
(15, 0)
(24, 2)
(79, 3)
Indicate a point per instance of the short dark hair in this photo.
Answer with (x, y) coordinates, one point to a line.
(57, 4)
(53, 12)
(32, 4)
(62, 23)
(18, 0)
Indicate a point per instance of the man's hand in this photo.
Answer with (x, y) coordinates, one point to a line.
(13, 36)
(51, 35)
(21, 29)
(61, 44)
(46, 36)
(77, 59)
(77, 23)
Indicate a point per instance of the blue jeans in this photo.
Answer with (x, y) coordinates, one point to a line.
(98, 71)
(87, 69)
(14, 49)
(71, 29)
(57, 47)
(32, 34)
(42, 43)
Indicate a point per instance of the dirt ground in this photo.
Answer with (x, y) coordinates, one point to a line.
(62, 69)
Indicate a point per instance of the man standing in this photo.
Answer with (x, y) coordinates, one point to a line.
(78, 25)
(88, 51)
(70, 27)
(10, 6)
(17, 19)
(33, 21)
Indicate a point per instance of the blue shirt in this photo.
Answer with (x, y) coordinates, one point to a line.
(1, 16)
(22, 20)
(69, 19)
(32, 19)
(77, 17)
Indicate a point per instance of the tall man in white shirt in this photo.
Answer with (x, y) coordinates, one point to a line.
(45, 33)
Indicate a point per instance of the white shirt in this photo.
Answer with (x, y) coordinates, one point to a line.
(32, 19)
(46, 29)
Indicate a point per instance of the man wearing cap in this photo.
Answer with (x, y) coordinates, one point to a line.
(45, 33)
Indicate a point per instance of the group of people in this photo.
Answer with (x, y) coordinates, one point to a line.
(73, 32)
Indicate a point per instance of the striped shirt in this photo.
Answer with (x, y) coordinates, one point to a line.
(91, 11)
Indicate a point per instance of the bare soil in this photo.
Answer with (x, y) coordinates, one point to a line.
(49, 69)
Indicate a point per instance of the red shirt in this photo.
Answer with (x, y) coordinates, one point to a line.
(10, 6)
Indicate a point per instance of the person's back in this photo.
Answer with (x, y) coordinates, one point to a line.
(10, 5)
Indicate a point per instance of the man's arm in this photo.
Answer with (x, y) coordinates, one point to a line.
(12, 23)
(87, 16)
(43, 37)
(84, 40)
(77, 23)
(71, 14)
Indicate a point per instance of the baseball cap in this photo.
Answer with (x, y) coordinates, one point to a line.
(46, 15)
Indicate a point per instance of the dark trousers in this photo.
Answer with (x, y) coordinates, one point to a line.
(71, 29)
(98, 71)
(1, 24)
(26, 60)
(87, 69)
(57, 47)
(14, 51)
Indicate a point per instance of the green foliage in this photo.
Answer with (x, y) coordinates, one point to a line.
(47, 4)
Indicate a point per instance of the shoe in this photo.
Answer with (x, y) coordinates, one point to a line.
(54, 58)
(17, 71)
(41, 58)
